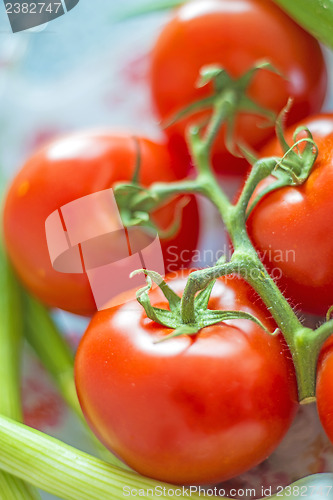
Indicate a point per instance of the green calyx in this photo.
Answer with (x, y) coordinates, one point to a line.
(136, 203)
(128, 194)
(329, 313)
(176, 318)
(294, 167)
(125, 195)
(229, 95)
(296, 164)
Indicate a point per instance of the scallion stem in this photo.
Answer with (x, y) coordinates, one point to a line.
(10, 339)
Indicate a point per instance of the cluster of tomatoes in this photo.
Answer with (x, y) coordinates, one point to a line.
(203, 409)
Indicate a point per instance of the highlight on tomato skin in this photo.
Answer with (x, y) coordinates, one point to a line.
(69, 168)
(235, 34)
(291, 228)
(189, 410)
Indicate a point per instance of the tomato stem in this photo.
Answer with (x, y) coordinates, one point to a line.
(197, 281)
(228, 99)
(248, 265)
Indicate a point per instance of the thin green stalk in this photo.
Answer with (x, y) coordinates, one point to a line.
(219, 116)
(196, 282)
(160, 192)
(11, 488)
(56, 356)
(52, 349)
(247, 262)
(261, 169)
(248, 265)
(10, 340)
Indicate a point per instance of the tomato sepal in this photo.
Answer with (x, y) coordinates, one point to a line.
(292, 169)
(230, 96)
(175, 318)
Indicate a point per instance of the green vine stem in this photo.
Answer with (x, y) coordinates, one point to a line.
(303, 343)
(292, 169)
(10, 339)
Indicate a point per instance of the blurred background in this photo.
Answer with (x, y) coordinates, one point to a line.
(83, 69)
(88, 69)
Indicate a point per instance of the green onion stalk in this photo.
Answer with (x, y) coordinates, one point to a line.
(11, 328)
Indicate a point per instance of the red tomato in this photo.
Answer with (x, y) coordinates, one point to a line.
(192, 409)
(65, 170)
(292, 227)
(235, 34)
(324, 388)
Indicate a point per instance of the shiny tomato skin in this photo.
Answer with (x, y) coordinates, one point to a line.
(324, 388)
(191, 410)
(69, 168)
(292, 227)
(235, 34)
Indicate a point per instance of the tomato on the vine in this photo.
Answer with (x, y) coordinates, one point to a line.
(292, 227)
(197, 409)
(67, 169)
(235, 34)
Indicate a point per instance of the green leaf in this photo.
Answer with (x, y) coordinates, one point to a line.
(170, 319)
(294, 168)
(169, 294)
(329, 313)
(180, 330)
(216, 74)
(248, 154)
(246, 79)
(202, 299)
(281, 181)
(211, 317)
(279, 125)
(202, 105)
(161, 316)
(124, 189)
(316, 16)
